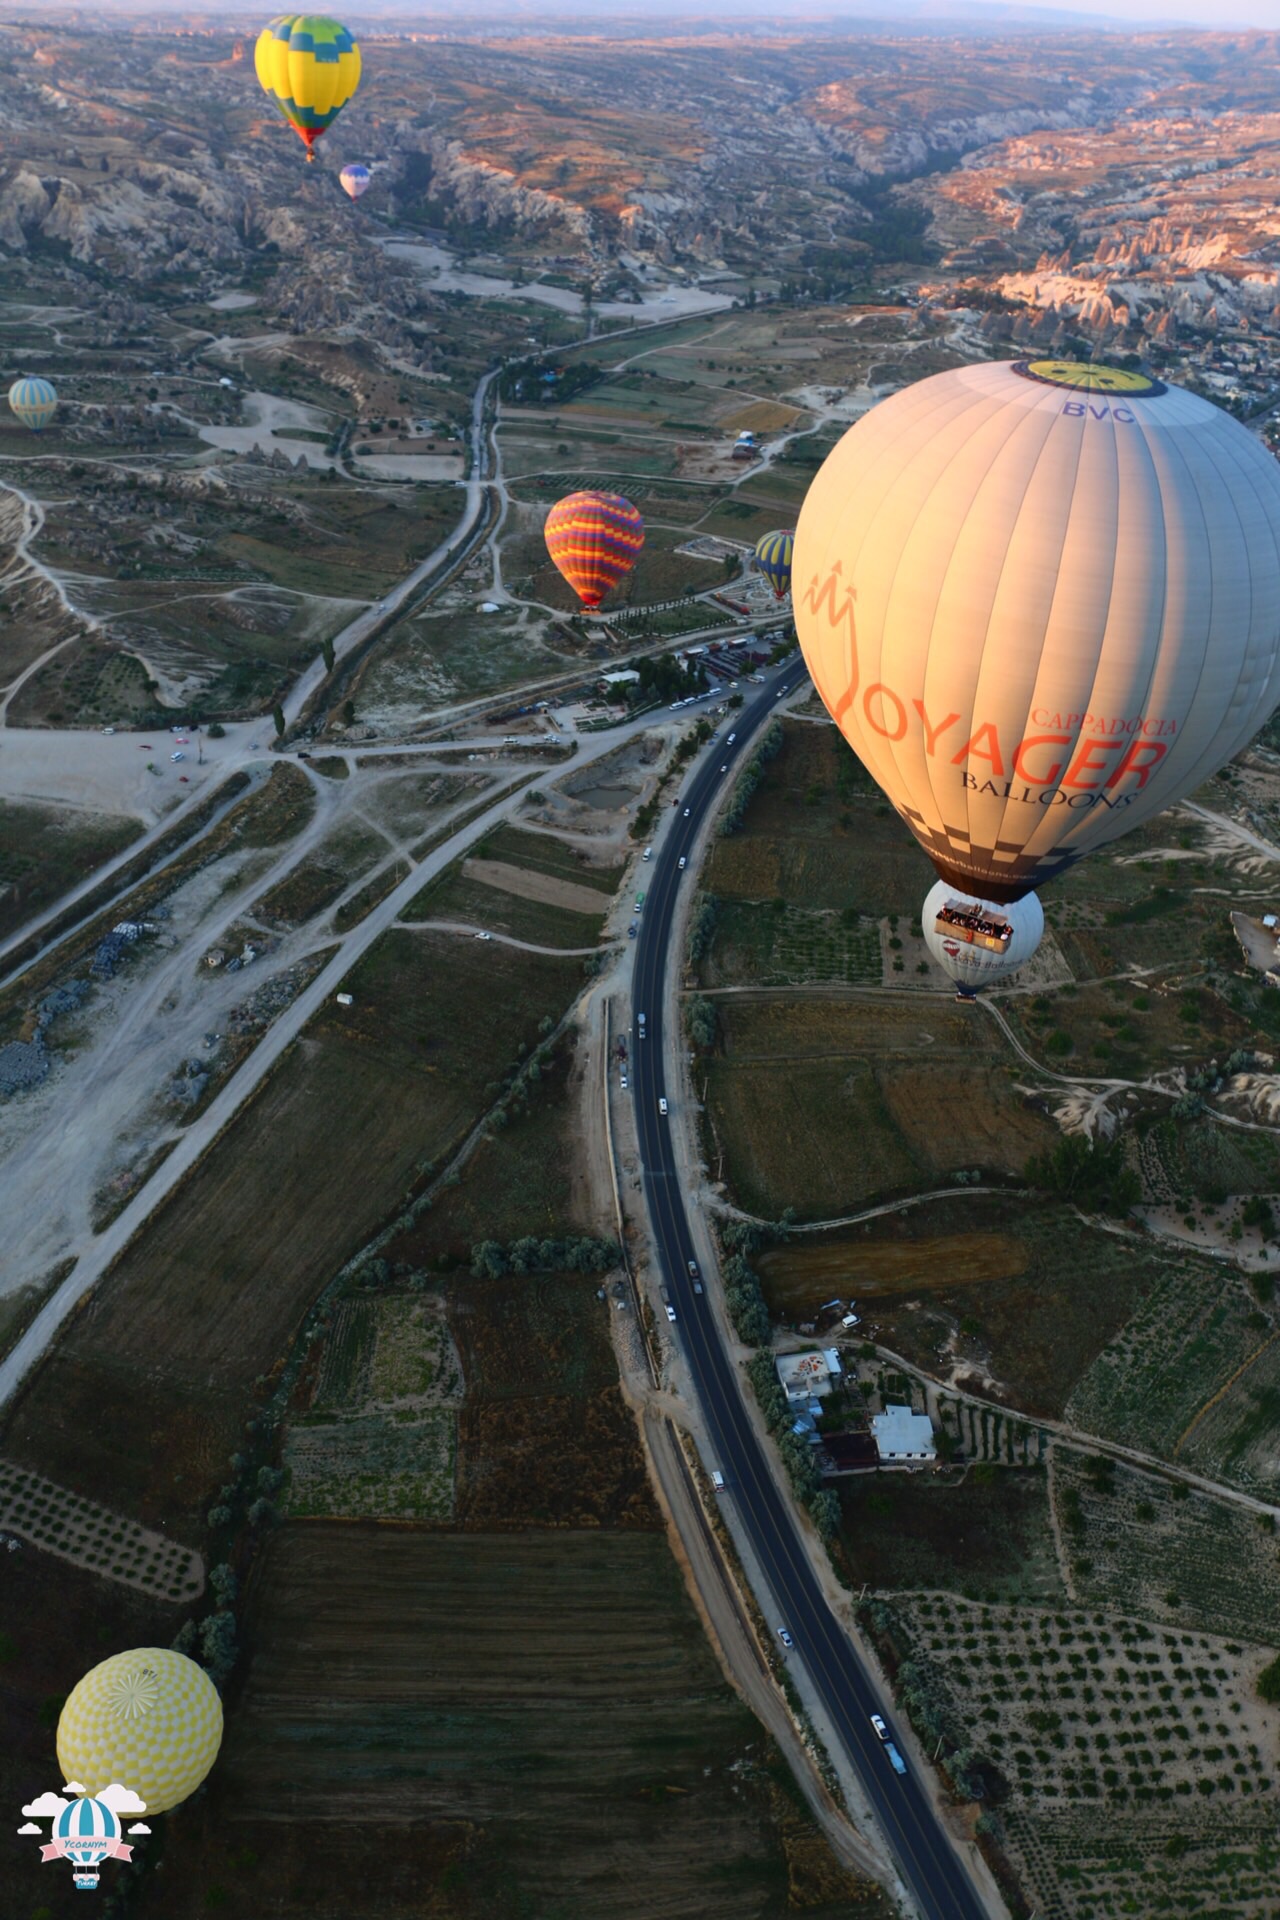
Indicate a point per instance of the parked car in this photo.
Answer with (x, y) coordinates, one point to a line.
(177, 756)
(785, 1637)
(671, 1313)
(631, 931)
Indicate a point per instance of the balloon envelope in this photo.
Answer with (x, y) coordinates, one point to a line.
(310, 65)
(1042, 602)
(34, 401)
(773, 558)
(150, 1719)
(594, 539)
(87, 1831)
(354, 180)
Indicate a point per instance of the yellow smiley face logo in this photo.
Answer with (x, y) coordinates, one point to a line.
(1083, 376)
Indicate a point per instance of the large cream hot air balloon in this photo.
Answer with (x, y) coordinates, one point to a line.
(1042, 602)
(150, 1720)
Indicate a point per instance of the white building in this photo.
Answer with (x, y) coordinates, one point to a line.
(806, 1376)
(902, 1435)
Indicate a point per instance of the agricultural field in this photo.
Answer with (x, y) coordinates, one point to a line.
(1158, 1548)
(1132, 1766)
(1023, 1315)
(528, 903)
(523, 1178)
(781, 945)
(547, 853)
(1196, 1164)
(818, 835)
(545, 1438)
(1197, 1331)
(985, 1533)
(530, 1723)
(825, 1104)
(44, 851)
(380, 1438)
(142, 1402)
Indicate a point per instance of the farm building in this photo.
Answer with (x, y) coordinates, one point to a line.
(903, 1435)
(806, 1376)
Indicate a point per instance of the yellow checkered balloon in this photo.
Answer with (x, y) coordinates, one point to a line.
(150, 1719)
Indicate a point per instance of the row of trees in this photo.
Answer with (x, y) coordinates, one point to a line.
(491, 1259)
(769, 749)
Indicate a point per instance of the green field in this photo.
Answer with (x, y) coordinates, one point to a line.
(823, 1104)
(44, 851)
(533, 1722)
(986, 1534)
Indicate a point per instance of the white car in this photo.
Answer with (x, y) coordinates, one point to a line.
(662, 1104)
(682, 863)
(882, 1732)
(785, 1637)
(624, 1083)
(671, 1314)
(686, 813)
(484, 936)
(732, 738)
(725, 767)
(177, 756)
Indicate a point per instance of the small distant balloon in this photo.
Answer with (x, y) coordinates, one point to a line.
(35, 402)
(773, 558)
(149, 1719)
(310, 65)
(595, 540)
(354, 180)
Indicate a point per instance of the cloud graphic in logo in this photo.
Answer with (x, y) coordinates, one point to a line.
(74, 1786)
(30, 1827)
(121, 1800)
(137, 1827)
(47, 1807)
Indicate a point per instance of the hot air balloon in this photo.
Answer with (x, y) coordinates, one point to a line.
(150, 1719)
(354, 180)
(773, 558)
(35, 402)
(86, 1833)
(310, 65)
(1041, 600)
(595, 540)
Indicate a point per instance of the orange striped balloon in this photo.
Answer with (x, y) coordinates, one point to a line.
(595, 540)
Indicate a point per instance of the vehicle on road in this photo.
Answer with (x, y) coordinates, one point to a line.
(686, 813)
(882, 1732)
(671, 1313)
(725, 767)
(640, 1024)
(624, 1083)
(717, 1480)
(682, 863)
(896, 1760)
(693, 1269)
(648, 853)
(662, 1104)
(731, 739)
(177, 756)
(785, 1637)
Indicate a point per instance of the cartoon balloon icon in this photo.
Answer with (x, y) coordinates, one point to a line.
(150, 1719)
(1041, 600)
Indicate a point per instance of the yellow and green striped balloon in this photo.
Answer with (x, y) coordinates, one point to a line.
(35, 403)
(310, 65)
(150, 1719)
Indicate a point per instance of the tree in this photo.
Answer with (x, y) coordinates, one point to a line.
(216, 730)
(348, 713)
(277, 714)
(1269, 1683)
(328, 655)
(1090, 1173)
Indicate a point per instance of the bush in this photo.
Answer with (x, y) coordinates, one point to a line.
(490, 1260)
(1090, 1173)
(1269, 1683)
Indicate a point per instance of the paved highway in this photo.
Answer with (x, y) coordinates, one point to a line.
(926, 1859)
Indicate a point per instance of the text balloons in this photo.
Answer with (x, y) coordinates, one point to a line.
(594, 539)
(1042, 602)
(35, 402)
(310, 65)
